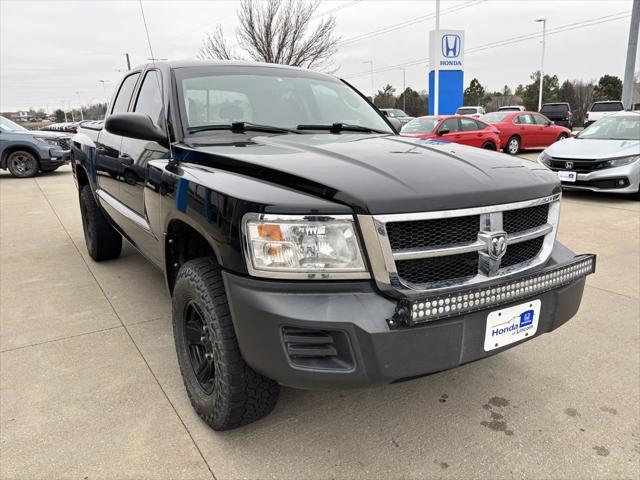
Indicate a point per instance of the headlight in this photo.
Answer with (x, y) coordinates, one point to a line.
(545, 159)
(47, 141)
(619, 162)
(304, 247)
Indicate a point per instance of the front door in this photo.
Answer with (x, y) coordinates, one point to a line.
(106, 161)
(136, 193)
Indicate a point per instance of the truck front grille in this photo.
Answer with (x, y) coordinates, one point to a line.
(438, 269)
(439, 250)
(432, 233)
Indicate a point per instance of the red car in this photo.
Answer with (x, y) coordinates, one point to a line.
(520, 130)
(454, 128)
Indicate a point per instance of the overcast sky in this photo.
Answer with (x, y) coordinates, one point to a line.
(52, 49)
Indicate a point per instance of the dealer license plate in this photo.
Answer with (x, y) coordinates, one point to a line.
(512, 324)
(566, 176)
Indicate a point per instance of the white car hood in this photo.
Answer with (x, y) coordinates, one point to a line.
(587, 149)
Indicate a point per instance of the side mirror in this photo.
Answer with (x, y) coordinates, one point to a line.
(551, 122)
(443, 131)
(135, 125)
(386, 114)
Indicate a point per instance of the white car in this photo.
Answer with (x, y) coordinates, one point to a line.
(604, 157)
(511, 108)
(475, 112)
(599, 110)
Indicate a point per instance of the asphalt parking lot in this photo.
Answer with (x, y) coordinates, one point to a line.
(90, 388)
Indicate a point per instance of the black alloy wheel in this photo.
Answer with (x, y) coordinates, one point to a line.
(198, 339)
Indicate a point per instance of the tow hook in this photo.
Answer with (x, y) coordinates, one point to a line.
(401, 316)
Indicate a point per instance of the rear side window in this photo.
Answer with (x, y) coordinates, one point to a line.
(607, 107)
(468, 124)
(540, 120)
(524, 119)
(150, 97)
(121, 103)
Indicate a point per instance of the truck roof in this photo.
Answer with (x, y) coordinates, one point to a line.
(218, 63)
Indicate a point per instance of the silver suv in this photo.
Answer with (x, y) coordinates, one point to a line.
(26, 152)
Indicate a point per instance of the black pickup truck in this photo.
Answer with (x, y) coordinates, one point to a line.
(306, 244)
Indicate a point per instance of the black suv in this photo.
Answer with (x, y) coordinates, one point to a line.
(559, 113)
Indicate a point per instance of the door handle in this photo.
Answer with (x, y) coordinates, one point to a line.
(126, 159)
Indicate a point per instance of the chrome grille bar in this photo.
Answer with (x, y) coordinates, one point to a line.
(383, 258)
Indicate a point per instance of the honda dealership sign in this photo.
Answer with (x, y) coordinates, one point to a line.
(446, 50)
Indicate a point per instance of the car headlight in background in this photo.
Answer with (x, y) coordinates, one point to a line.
(52, 142)
(302, 246)
(621, 162)
(545, 159)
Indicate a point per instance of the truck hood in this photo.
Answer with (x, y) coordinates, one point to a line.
(380, 174)
(587, 149)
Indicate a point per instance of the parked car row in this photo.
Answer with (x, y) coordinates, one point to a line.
(558, 112)
(511, 131)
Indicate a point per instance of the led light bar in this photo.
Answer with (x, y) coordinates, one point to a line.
(465, 301)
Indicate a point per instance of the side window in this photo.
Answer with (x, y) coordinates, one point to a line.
(468, 124)
(524, 119)
(150, 97)
(121, 103)
(540, 120)
(450, 124)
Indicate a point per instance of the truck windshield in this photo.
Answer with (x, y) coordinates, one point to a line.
(277, 97)
(624, 127)
(607, 107)
(7, 125)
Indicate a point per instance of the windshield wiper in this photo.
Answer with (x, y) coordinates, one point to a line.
(340, 127)
(243, 127)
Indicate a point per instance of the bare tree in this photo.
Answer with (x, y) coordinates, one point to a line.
(278, 31)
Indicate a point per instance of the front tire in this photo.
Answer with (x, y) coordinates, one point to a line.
(563, 136)
(23, 164)
(103, 241)
(224, 391)
(513, 146)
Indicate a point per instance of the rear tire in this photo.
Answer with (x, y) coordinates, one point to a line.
(488, 146)
(103, 241)
(513, 146)
(224, 391)
(562, 136)
(23, 164)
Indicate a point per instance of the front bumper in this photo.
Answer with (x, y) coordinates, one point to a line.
(606, 180)
(351, 319)
(53, 157)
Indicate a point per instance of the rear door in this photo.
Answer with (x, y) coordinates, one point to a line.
(527, 130)
(470, 133)
(106, 163)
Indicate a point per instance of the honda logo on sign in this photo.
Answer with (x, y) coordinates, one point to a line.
(451, 46)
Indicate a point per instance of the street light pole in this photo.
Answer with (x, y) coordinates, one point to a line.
(632, 48)
(373, 93)
(104, 90)
(80, 104)
(544, 33)
(64, 111)
(404, 90)
(128, 61)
